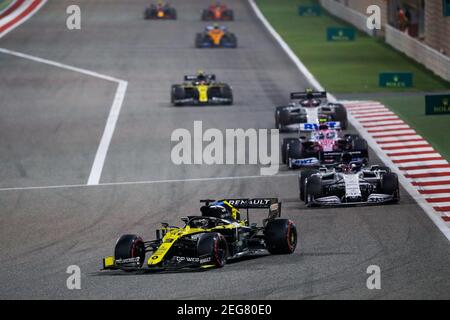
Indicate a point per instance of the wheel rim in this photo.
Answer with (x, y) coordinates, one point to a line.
(138, 250)
(291, 238)
(220, 252)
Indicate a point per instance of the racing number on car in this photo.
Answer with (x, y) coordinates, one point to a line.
(73, 21)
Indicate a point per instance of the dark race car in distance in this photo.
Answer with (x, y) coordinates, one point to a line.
(217, 12)
(160, 11)
(348, 184)
(216, 37)
(322, 145)
(309, 107)
(201, 89)
(218, 235)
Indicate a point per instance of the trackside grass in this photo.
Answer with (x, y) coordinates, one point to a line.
(4, 4)
(342, 67)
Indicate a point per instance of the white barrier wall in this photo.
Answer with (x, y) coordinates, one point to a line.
(345, 13)
(430, 58)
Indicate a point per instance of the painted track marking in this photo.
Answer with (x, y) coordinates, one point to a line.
(105, 141)
(147, 182)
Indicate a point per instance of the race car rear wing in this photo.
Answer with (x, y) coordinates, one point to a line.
(210, 77)
(332, 125)
(308, 95)
(272, 204)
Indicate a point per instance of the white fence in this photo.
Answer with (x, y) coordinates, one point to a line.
(430, 58)
(345, 13)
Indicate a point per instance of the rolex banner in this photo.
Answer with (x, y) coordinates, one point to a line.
(437, 104)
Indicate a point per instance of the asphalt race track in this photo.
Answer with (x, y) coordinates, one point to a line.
(51, 122)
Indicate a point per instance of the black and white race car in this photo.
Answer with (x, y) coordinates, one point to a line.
(309, 107)
(348, 184)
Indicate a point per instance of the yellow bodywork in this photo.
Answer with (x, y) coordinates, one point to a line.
(202, 93)
(108, 262)
(160, 13)
(173, 235)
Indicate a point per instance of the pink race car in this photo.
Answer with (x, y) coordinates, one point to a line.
(324, 147)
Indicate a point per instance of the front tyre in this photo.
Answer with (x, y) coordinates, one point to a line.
(214, 248)
(281, 236)
(130, 246)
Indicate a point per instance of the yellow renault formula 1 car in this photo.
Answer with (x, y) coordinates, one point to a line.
(209, 240)
(201, 89)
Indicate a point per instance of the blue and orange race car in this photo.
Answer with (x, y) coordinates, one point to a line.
(216, 37)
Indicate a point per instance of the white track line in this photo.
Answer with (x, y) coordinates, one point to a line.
(362, 113)
(440, 224)
(99, 161)
(97, 167)
(398, 138)
(416, 157)
(148, 182)
(422, 163)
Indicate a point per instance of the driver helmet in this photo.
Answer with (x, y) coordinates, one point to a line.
(346, 162)
(215, 210)
(201, 77)
(221, 209)
(309, 94)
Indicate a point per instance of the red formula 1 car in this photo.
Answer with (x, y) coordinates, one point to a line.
(218, 12)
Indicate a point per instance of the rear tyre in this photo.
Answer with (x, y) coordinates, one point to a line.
(293, 151)
(173, 14)
(341, 116)
(177, 94)
(147, 14)
(286, 142)
(280, 236)
(360, 144)
(198, 40)
(233, 41)
(130, 246)
(390, 186)
(214, 247)
(227, 93)
(313, 188)
(206, 15)
(305, 174)
(229, 15)
(283, 119)
(277, 118)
